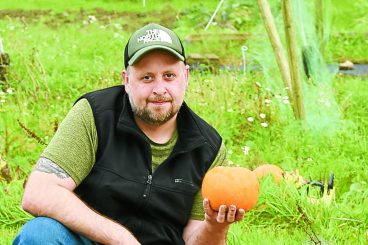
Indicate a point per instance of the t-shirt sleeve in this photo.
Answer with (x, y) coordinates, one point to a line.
(74, 144)
(220, 160)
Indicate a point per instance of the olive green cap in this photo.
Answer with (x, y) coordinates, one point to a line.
(151, 37)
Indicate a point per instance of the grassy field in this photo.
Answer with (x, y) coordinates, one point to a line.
(59, 51)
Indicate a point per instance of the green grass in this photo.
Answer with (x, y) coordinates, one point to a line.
(57, 57)
(111, 5)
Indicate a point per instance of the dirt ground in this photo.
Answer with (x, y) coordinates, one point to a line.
(128, 20)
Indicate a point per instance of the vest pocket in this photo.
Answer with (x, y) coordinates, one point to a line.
(182, 186)
(183, 181)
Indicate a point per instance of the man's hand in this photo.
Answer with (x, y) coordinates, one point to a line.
(225, 215)
(213, 229)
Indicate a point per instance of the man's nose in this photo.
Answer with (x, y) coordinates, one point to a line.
(159, 87)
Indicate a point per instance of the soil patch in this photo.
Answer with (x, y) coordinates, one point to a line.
(128, 20)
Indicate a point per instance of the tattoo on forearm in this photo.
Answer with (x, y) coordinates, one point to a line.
(47, 166)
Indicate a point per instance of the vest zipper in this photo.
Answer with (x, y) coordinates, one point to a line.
(148, 187)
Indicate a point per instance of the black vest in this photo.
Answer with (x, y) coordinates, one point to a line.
(154, 207)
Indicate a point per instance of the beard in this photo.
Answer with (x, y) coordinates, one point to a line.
(153, 116)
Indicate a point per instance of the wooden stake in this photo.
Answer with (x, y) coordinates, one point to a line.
(280, 56)
(294, 60)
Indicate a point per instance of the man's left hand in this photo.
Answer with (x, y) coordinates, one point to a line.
(225, 215)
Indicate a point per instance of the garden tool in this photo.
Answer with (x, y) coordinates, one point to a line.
(317, 191)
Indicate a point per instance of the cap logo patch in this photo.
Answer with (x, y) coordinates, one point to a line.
(155, 35)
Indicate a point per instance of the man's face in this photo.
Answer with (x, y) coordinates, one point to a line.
(156, 86)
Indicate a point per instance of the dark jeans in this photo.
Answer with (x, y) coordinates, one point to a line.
(44, 230)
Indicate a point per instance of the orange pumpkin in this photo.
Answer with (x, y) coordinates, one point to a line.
(230, 185)
(269, 169)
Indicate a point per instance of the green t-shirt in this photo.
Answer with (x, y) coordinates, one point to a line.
(74, 147)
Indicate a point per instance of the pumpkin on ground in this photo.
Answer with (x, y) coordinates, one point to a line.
(231, 185)
(269, 169)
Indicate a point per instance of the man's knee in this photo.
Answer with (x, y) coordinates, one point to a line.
(43, 230)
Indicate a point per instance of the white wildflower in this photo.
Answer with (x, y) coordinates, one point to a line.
(258, 84)
(262, 115)
(250, 119)
(277, 96)
(264, 124)
(246, 150)
(92, 18)
(9, 90)
(118, 26)
(268, 101)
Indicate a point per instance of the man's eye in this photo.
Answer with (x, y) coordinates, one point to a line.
(147, 77)
(169, 75)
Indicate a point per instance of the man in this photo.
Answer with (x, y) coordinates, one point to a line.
(127, 163)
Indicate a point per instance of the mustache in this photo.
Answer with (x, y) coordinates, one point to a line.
(160, 98)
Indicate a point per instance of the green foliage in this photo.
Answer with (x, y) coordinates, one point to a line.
(287, 215)
(227, 18)
(12, 217)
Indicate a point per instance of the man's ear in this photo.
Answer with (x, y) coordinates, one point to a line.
(186, 74)
(125, 78)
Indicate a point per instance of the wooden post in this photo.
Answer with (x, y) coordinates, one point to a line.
(294, 58)
(280, 56)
